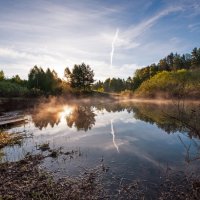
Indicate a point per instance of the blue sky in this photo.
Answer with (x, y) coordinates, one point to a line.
(61, 33)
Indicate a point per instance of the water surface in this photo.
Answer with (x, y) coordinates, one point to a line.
(135, 140)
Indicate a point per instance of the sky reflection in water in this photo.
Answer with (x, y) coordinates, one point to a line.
(133, 139)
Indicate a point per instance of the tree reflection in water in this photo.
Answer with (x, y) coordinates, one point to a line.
(82, 117)
(169, 117)
(46, 117)
(177, 117)
(51, 113)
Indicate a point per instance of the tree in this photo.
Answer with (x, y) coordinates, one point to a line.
(177, 62)
(164, 65)
(106, 85)
(67, 74)
(153, 69)
(82, 77)
(170, 60)
(36, 78)
(82, 117)
(45, 81)
(2, 76)
(98, 86)
(129, 83)
(16, 79)
(196, 58)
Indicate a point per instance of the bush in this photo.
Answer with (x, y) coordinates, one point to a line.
(8, 89)
(182, 83)
(34, 92)
(127, 93)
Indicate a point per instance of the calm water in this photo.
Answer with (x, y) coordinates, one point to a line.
(135, 140)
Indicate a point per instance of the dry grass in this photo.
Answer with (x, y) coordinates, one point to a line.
(180, 186)
(7, 139)
(26, 180)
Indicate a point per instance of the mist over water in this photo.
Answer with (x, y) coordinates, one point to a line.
(136, 140)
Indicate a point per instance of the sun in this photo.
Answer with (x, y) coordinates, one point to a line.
(66, 112)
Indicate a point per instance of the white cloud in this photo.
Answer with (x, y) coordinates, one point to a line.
(127, 38)
(58, 36)
(194, 27)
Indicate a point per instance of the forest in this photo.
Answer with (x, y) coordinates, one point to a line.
(173, 76)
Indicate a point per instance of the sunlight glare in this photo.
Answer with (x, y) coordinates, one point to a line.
(66, 112)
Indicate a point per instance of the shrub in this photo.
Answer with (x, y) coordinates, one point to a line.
(182, 83)
(8, 89)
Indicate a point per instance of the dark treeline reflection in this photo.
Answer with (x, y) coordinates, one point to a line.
(82, 117)
(171, 117)
(46, 114)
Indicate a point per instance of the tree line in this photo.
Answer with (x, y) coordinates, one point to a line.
(171, 62)
(81, 78)
(41, 82)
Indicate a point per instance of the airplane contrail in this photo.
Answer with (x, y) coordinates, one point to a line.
(113, 47)
(113, 134)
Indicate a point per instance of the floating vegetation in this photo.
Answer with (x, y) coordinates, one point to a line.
(54, 153)
(44, 147)
(7, 139)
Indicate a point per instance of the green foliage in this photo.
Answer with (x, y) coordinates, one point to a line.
(16, 79)
(9, 89)
(81, 77)
(113, 85)
(117, 85)
(171, 62)
(181, 83)
(48, 81)
(171, 75)
(195, 58)
(98, 86)
(67, 74)
(2, 77)
(34, 92)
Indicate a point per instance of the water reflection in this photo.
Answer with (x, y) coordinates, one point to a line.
(46, 114)
(82, 117)
(169, 117)
(113, 135)
(121, 132)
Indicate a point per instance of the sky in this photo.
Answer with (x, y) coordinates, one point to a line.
(114, 37)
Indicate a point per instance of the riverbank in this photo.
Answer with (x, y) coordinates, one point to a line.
(26, 179)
